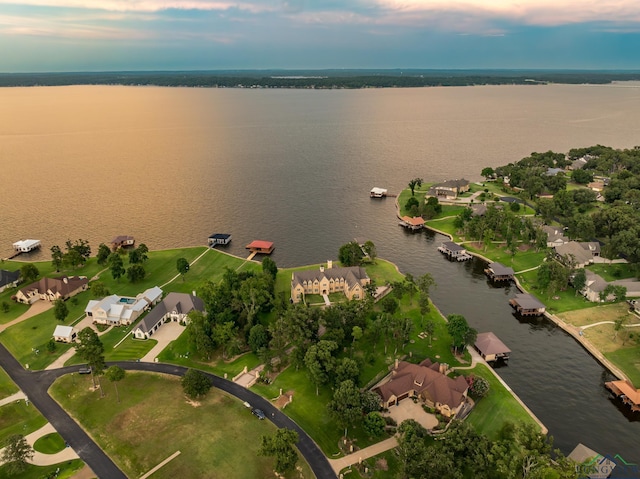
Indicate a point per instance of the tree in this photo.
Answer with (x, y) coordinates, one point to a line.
(280, 446)
(479, 387)
(29, 272)
(320, 362)
(135, 273)
(99, 289)
(116, 266)
(582, 176)
(258, 338)
(346, 405)
(488, 172)
(115, 374)
(269, 267)
(579, 280)
(103, 254)
(429, 328)
(17, 452)
(5, 307)
(195, 384)
(425, 282)
(199, 334)
(416, 182)
(56, 257)
(412, 203)
(370, 401)
(350, 254)
(91, 350)
(142, 252)
(374, 424)
(371, 251)
(347, 369)
(182, 265)
(459, 330)
(60, 310)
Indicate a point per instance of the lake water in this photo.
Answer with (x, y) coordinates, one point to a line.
(172, 166)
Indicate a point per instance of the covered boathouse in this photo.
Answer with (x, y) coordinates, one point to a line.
(454, 251)
(415, 223)
(219, 239)
(527, 305)
(499, 272)
(625, 391)
(491, 348)
(259, 246)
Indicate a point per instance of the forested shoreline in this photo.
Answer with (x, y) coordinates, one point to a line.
(317, 79)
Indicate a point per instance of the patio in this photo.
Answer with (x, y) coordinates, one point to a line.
(407, 409)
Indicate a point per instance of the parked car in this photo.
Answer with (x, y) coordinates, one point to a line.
(85, 370)
(258, 413)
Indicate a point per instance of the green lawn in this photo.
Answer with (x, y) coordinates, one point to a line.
(49, 444)
(614, 271)
(18, 418)
(382, 466)
(217, 436)
(627, 359)
(495, 409)
(7, 386)
(65, 470)
(15, 309)
(129, 349)
(383, 271)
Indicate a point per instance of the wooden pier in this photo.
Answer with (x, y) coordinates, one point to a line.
(454, 251)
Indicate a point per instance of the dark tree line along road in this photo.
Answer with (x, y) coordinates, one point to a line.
(36, 384)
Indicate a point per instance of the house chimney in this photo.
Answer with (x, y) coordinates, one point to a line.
(65, 280)
(321, 269)
(329, 264)
(396, 364)
(193, 293)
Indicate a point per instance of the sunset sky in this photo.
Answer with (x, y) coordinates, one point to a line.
(100, 35)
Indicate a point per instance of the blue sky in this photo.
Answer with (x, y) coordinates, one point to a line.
(98, 35)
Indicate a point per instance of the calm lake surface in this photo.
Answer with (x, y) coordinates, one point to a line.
(171, 166)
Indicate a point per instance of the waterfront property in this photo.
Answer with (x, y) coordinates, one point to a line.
(8, 279)
(51, 289)
(378, 192)
(499, 272)
(491, 348)
(449, 190)
(64, 334)
(122, 241)
(24, 246)
(350, 280)
(259, 246)
(454, 251)
(527, 305)
(122, 310)
(175, 307)
(626, 392)
(555, 236)
(579, 254)
(219, 239)
(426, 381)
(415, 223)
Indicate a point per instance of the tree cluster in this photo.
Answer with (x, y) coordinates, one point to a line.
(76, 254)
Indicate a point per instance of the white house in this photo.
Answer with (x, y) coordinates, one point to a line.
(64, 334)
(122, 310)
(174, 307)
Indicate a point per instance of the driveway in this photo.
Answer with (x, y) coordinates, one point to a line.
(407, 409)
(35, 309)
(168, 332)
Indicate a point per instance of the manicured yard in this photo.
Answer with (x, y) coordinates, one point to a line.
(49, 444)
(7, 386)
(627, 359)
(18, 418)
(217, 437)
(613, 272)
(15, 309)
(495, 409)
(65, 470)
(382, 466)
(130, 348)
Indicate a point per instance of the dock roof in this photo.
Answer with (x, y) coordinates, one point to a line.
(220, 236)
(501, 270)
(488, 343)
(260, 244)
(528, 301)
(451, 246)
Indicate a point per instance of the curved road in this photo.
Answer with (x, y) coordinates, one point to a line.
(36, 384)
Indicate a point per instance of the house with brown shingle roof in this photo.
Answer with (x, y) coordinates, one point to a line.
(426, 381)
(51, 289)
(350, 280)
(175, 307)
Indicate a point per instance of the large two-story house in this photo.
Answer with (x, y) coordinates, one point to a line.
(350, 280)
(51, 289)
(122, 310)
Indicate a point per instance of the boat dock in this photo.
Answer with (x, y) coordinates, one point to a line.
(454, 251)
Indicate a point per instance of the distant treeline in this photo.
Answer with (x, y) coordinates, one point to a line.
(321, 79)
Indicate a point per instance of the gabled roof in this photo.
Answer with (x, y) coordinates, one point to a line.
(151, 294)
(454, 183)
(623, 387)
(181, 303)
(64, 285)
(554, 234)
(352, 275)
(8, 277)
(594, 282)
(122, 239)
(63, 331)
(221, 236)
(414, 221)
(574, 249)
(489, 343)
(424, 380)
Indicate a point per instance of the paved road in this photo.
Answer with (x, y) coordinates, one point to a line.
(36, 384)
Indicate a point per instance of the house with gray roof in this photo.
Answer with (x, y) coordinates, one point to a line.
(449, 189)
(175, 307)
(575, 253)
(499, 272)
(8, 279)
(349, 280)
(555, 236)
(122, 310)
